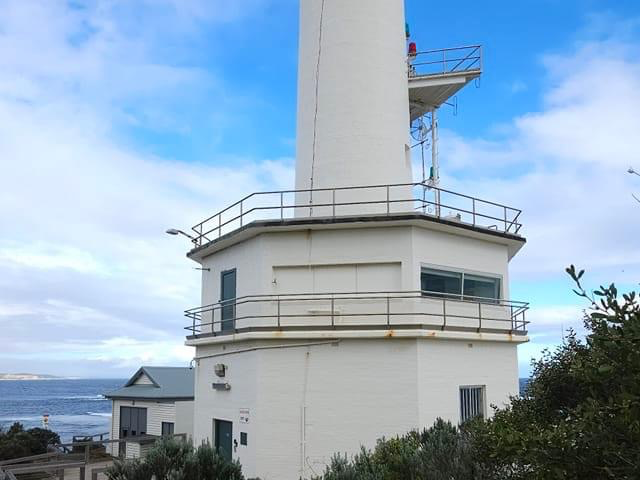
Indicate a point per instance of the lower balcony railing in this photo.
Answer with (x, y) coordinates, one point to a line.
(358, 311)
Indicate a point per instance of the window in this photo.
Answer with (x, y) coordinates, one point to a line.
(133, 421)
(477, 286)
(439, 281)
(471, 403)
(458, 284)
(167, 428)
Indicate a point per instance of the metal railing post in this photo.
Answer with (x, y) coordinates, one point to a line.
(388, 312)
(281, 205)
(333, 202)
(479, 316)
(505, 219)
(473, 209)
(278, 313)
(444, 313)
(387, 199)
(332, 310)
(444, 61)
(511, 317)
(219, 225)
(241, 214)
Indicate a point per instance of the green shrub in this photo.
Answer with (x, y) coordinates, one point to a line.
(17, 442)
(441, 452)
(172, 459)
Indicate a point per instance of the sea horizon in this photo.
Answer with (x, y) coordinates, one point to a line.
(75, 406)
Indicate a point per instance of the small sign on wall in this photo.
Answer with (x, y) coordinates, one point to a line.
(244, 415)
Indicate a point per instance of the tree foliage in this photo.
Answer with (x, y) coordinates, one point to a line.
(17, 442)
(580, 417)
(172, 459)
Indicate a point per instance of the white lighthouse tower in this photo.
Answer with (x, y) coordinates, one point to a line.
(360, 304)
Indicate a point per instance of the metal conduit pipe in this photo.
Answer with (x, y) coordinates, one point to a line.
(268, 347)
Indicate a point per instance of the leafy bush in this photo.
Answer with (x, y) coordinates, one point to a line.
(580, 417)
(17, 442)
(172, 459)
(441, 452)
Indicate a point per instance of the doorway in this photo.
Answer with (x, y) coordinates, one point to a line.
(223, 435)
(227, 299)
(133, 422)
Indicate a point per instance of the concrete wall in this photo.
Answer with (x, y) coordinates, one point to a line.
(184, 418)
(210, 404)
(446, 365)
(307, 402)
(261, 261)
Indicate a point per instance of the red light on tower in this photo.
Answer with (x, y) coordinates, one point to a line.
(413, 49)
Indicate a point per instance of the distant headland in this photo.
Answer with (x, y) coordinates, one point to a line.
(27, 376)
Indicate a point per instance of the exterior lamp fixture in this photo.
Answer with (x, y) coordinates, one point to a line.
(633, 172)
(175, 231)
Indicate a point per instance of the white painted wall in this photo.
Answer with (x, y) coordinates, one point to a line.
(349, 395)
(184, 418)
(210, 404)
(143, 379)
(383, 259)
(358, 125)
(446, 365)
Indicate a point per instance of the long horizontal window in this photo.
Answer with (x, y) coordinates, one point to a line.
(459, 284)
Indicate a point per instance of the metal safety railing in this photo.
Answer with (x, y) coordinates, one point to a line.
(83, 460)
(361, 310)
(446, 61)
(361, 200)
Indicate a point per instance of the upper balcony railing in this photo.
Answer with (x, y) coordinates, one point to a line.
(364, 200)
(446, 61)
(358, 311)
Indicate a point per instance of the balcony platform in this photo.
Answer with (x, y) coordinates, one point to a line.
(358, 315)
(437, 75)
(353, 207)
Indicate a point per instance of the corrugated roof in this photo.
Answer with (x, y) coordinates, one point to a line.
(167, 383)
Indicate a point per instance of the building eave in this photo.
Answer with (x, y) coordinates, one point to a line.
(513, 242)
(358, 334)
(149, 399)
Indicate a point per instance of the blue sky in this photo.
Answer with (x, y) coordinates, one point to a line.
(121, 118)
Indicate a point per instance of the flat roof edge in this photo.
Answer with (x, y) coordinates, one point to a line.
(353, 219)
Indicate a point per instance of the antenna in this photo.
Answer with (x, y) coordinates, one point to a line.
(420, 130)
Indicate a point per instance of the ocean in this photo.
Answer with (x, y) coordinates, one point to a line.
(75, 407)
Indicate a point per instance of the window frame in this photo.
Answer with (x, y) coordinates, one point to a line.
(462, 272)
(171, 428)
(482, 402)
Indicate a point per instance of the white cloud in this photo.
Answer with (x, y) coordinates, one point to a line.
(565, 165)
(87, 271)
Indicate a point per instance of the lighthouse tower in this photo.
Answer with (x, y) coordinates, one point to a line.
(361, 304)
(353, 107)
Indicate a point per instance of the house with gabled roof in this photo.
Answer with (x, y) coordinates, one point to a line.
(155, 401)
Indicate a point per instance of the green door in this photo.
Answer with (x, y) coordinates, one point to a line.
(223, 434)
(228, 300)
